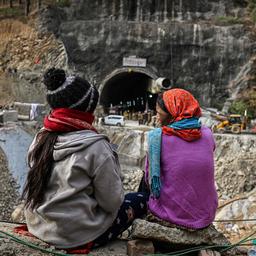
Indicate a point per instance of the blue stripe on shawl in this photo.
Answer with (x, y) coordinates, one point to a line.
(154, 150)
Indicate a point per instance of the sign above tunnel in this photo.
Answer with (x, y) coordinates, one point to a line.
(132, 61)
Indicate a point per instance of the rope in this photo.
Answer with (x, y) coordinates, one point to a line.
(198, 248)
(241, 241)
(177, 253)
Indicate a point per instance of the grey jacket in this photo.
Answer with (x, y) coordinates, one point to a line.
(84, 192)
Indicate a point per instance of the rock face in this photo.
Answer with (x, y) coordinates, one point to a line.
(182, 40)
(154, 10)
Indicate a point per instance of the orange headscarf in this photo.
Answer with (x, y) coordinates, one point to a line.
(181, 104)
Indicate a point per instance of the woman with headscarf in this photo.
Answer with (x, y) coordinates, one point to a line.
(180, 166)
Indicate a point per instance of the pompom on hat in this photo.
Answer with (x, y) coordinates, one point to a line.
(69, 91)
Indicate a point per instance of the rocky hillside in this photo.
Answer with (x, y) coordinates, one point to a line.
(25, 48)
(204, 46)
(25, 54)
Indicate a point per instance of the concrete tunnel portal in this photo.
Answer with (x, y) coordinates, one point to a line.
(128, 90)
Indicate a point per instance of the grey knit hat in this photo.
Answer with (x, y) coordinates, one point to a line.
(69, 92)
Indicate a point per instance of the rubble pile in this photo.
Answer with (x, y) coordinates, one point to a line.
(235, 164)
(242, 210)
(132, 178)
(25, 52)
(8, 190)
(24, 47)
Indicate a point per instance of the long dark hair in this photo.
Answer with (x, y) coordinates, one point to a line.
(40, 161)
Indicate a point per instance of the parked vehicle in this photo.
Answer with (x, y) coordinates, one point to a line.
(113, 120)
(233, 123)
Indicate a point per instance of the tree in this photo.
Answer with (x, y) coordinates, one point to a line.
(239, 106)
(39, 4)
(252, 8)
(27, 7)
(11, 4)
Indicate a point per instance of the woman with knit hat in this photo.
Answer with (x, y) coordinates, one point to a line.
(180, 166)
(73, 195)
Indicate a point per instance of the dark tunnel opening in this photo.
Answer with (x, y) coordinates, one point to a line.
(128, 91)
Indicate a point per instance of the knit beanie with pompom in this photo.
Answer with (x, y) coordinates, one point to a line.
(69, 92)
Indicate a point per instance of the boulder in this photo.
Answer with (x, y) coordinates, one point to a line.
(140, 247)
(208, 253)
(143, 229)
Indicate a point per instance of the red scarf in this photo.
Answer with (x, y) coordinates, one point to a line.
(181, 104)
(84, 249)
(68, 120)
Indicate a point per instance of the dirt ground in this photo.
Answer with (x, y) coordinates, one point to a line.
(11, 248)
(8, 190)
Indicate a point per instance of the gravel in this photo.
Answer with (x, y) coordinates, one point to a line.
(8, 190)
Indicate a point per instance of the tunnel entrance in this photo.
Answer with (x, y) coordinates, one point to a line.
(128, 91)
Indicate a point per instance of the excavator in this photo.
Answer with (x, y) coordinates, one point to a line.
(233, 123)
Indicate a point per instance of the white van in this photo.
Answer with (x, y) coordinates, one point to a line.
(113, 120)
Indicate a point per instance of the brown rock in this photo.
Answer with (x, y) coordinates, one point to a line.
(140, 247)
(208, 253)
